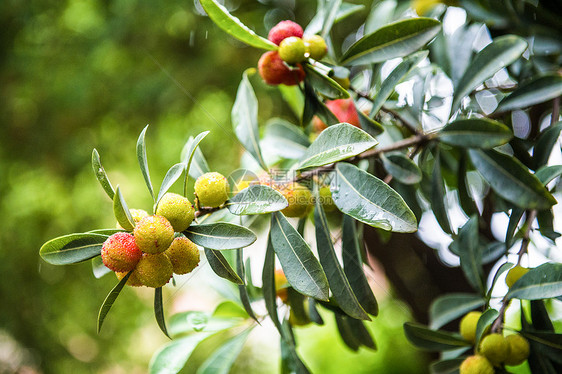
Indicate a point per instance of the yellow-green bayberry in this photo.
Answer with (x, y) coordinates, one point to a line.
(495, 348)
(177, 209)
(518, 349)
(467, 327)
(514, 274)
(326, 199)
(292, 50)
(315, 46)
(154, 270)
(211, 189)
(476, 365)
(153, 234)
(299, 198)
(183, 254)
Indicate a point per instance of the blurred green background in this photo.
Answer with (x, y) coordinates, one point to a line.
(84, 74)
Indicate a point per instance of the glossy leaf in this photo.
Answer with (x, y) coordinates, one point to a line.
(268, 284)
(195, 322)
(188, 154)
(324, 84)
(302, 269)
(381, 13)
(369, 125)
(545, 143)
(547, 174)
(101, 176)
(402, 168)
(484, 323)
(397, 39)
(470, 253)
(475, 133)
(438, 196)
(290, 360)
(313, 312)
(451, 306)
(198, 165)
(313, 106)
(514, 218)
(337, 143)
(502, 52)
(536, 91)
(339, 284)
(172, 357)
(361, 333)
(284, 139)
(502, 269)
(353, 267)
(511, 180)
(369, 200)
(73, 248)
(159, 310)
(221, 267)
(222, 359)
(450, 366)
(542, 282)
(110, 299)
(121, 211)
(465, 198)
(220, 235)
(430, 340)
(169, 179)
(548, 344)
(244, 297)
(245, 119)
(319, 22)
(233, 26)
(256, 199)
(344, 329)
(98, 268)
(143, 161)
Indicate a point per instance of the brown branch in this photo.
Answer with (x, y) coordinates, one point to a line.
(405, 123)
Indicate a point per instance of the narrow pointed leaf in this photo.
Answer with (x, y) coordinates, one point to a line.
(470, 253)
(511, 180)
(143, 161)
(221, 267)
(110, 299)
(542, 282)
(220, 235)
(476, 133)
(337, 143)
(171, 176)
(245, 119)
(438, 196)
(299, 314)
(339, 284)
(451, 306)
(172, 357)
(446, 366)
(313, 106)
(159, 311)
(369, 125)
(101, 176)
(233, 26)
(514, 218)
(536, 91)
(402, 168)
(426, 339)
(244, 297)
(324, 84)
(256, 199)
(121, 211)
(465, 198)
(222, 359)
(543, 148)
(369, 200)
(342, 322)
(502, 269)
(361, 333)
(290, 360)
(189, 155)
(98, 268)
(484, 322)
(313, 312)
(502, 52)
(397, 39)
(547, 174)
(302, 269)
(268, 284)
(73, 248)
(353, 267)
(284, 139)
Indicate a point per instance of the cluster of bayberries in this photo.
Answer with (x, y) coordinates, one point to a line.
(282, 66)
(156, 249)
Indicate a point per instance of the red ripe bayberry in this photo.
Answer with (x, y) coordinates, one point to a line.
(120, 252)
(343, 109)
(283, 30)
(274, 71)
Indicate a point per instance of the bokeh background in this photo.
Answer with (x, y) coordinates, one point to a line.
(82, 74)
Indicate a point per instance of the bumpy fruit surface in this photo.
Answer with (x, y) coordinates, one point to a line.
(495, 348)
(154, 270)
(343, 109)
(274, 71)
(467, 327)
(518, 349)
(154, 234)
(133, 280)
(291, 50)
(211, 189)
(177, 210)
(476, 365)
(514, 274)
(326, 199)
(284, 29)
(299, 198)
(315, 46)
(183, 254)
(281, 285)
(137, 215)
(120, 252)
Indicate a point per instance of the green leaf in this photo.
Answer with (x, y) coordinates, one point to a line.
(426, 339)
(220, 235)
(189, 155)
(547, 344)
(101, 176)
(313, 312)
(284, 139)
(195, 322)
(466, 201)
(172, 357)
(353, 267)
(98, 268)
(290, 360)
(446, 366)
(229, 309)
(244, 297)
(397, 39)
(502, 52)
(449, 307)
(502, 269)
(317, 24)
(233, 26)
(361, 333)
(402, 168)
(169, 179)
(546, 141)
(121, 211)
(222, 359)
(369, 200)
(538, 90)
(302, 269)
(110, 299)
(470, 253)
(143, 162)
(159, 310)
(337, 143)
(256, 199)
(484, 322)
(438, 196)
(542, 282)
(476, 133)
(268, 284)
(337, 280)
(511, 180)
(313, 106)
(394, 78)
(342, 322)
(245, 119)
(324, 84)
(221, 267)
(514, 218)
(73, 248)
(547, 174)
(369, 125)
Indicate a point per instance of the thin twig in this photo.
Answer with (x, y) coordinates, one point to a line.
(405, 123)
(555, 110)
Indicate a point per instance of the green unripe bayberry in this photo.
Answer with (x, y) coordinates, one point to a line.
(211, 189)
(514, 274)
(467, 327)
(315, 46)
(154, 234)
(476, 365)
(299, 198)
(291, 50)
(518, 349)
(495, 347)
(176, 209)
(326, 199)
(183, 254)
(153, 270)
